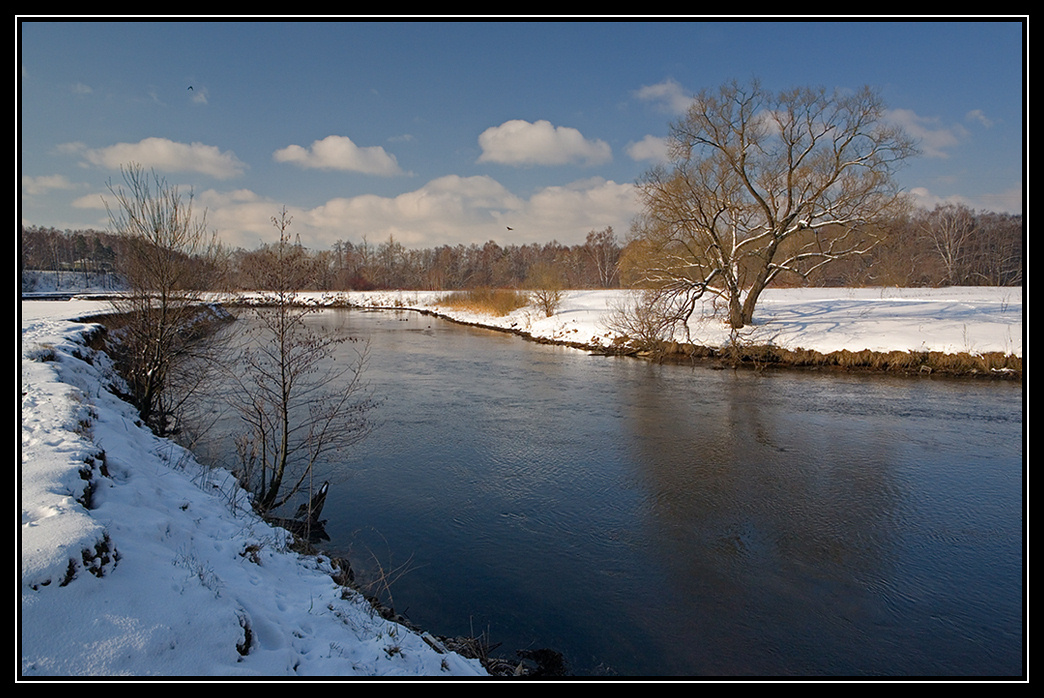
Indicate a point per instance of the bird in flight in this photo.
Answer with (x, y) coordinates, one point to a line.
(509, 227)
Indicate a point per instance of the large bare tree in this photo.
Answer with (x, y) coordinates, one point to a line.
(760, 183)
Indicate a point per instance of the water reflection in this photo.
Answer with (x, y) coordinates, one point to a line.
(665, 520)
(757, 500)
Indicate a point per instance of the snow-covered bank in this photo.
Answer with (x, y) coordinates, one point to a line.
(137, 561)
(949, 320)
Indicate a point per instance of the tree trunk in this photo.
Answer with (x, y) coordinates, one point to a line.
(737, 318)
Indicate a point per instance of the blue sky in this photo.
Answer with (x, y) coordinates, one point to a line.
(447, 132)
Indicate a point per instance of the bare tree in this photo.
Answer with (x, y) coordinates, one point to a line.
(298, 405)
(996, 254)
(761, 184)
(950, 228)
(166, 261)
(604, 252)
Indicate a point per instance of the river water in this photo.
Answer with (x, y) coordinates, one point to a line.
(656, 520)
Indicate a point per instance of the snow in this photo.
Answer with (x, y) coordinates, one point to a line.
(138, 561)
(169, 565)
(950, 320)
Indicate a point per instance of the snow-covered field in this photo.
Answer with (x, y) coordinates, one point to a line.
(137, 561)
(950, 320)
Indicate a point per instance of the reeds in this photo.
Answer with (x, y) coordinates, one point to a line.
(490, 301)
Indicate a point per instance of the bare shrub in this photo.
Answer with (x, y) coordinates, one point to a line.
(546, 282)
(651, 320)
(298, 405)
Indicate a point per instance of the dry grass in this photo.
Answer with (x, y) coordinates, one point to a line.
(994, 364)
(490, 301)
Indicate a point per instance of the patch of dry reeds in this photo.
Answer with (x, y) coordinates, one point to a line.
(489, 301)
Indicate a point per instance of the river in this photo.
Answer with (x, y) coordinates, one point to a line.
(663, 520)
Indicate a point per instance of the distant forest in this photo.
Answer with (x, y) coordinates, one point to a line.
(950, 245)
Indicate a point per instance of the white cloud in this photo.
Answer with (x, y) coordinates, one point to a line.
(91, 202)
(212, 198)
(519, 142)
(448, 210)
(163, 155)
(979, 116)
(1009, 201)
(933, 139)
(650, 149)
(33, 186)
(244, 221)
(568, 213)
(340, 153)
(668, 95)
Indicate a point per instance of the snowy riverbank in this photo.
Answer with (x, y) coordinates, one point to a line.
(136, 561)
(950, 320)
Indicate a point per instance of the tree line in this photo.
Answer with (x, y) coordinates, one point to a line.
(366, 266)
(949, 245)
(84, 252)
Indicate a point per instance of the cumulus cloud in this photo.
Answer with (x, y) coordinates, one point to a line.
(211, 198)
(650, 149)
(243, 219)
(568, 213)
(519, 142)
(33, 186)
(340, 153)
(163, 155)
(668, 95)
(89, 202)
(933, 138)
(448, 210)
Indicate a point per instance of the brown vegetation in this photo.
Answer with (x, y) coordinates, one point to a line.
(986, 365)
(490, 301)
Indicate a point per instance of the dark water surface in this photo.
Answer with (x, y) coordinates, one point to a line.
(650, 520)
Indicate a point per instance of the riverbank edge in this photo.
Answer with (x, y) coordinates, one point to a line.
(539, 663)
(757, 357)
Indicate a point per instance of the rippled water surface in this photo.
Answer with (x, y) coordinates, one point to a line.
(668, 520)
